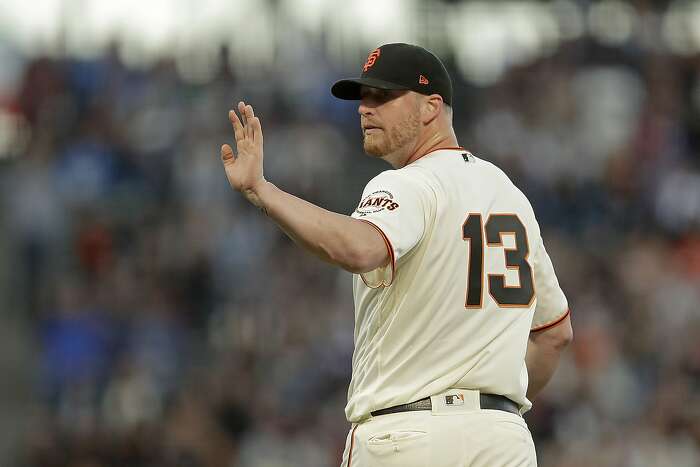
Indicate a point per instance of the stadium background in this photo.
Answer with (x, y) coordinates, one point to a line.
(151, 318)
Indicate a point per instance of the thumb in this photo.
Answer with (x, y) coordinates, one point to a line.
(227, 156)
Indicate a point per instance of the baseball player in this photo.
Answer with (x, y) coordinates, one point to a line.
(459, 318)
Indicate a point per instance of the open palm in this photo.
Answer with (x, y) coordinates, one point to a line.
(244, 170)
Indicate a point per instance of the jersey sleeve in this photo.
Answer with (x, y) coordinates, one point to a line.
(395, 204)
(552, 306)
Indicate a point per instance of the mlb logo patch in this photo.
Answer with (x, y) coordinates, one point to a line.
(454, 399)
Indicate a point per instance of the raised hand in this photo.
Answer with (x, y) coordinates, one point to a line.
(244, 170)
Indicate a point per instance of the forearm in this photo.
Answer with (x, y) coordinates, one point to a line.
(341, 240)
(335, 238)
(544, 348)
(541, 362)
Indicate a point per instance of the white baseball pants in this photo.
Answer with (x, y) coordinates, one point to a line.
(461, 435)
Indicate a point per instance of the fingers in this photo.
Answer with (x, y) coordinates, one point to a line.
(257, 130)
(249, 116)
(227, 154)
(246, 127)
(243, 127)
(238, 131)
(241, 110)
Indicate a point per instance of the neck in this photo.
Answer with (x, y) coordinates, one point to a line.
(438, 140)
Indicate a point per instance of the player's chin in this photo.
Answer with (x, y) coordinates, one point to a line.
(373, 148)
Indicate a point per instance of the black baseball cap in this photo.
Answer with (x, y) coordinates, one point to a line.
(399, 66)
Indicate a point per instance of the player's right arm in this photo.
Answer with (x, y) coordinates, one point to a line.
(341, 240)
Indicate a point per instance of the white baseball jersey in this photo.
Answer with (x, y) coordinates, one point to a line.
(469, 278)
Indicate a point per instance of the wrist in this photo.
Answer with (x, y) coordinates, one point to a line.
(255, 194)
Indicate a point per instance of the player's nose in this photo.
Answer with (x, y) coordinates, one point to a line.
(363, 108)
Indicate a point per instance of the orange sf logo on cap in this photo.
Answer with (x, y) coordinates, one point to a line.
(371, 58)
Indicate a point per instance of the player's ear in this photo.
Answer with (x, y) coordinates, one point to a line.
(430, 108)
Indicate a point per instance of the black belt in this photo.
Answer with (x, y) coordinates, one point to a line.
(487, 401)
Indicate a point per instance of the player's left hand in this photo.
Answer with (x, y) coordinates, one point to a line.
(245, 169)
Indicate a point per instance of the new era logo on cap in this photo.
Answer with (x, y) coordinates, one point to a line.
(423, 80)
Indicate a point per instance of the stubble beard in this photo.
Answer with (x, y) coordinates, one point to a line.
(391, 140)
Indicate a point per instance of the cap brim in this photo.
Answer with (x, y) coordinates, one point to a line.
(349, 89)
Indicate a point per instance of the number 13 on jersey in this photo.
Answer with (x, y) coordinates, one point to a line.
(473, 229)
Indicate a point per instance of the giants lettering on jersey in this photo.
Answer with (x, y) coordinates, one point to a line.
(377, 201)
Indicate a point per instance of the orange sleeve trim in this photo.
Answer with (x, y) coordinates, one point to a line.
(551, 324)
(392, 258)
(352, 445)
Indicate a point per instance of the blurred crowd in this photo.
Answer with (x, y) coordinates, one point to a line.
(173, 325)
